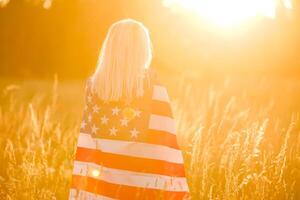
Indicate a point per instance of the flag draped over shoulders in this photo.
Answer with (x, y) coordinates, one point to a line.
(128, 150)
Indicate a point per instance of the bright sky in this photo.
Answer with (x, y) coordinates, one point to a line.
(229, 12)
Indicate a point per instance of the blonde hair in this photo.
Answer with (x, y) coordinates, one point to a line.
(124, 58)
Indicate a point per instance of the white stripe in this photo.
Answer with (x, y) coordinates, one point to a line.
(162, 123)
(141, 150)
(81, 194)
(86, 141)
(160, 93)
(131, 178)
(135, 149)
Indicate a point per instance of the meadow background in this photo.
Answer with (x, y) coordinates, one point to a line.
(235, 94)
(239, 141)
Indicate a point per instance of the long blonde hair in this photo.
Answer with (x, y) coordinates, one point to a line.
(124, 58)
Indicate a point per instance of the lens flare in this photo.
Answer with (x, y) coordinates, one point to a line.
(95, 173)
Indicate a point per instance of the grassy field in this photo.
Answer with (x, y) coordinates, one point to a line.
(240, 136)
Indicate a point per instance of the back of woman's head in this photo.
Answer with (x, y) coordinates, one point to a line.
(124, 58)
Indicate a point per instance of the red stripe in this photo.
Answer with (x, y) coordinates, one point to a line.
(129, 163)
(122, 191)
(161, 108)
(150, 137)
(162, 138)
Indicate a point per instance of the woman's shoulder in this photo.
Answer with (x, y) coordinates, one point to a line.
(88, 84)
(88, 81)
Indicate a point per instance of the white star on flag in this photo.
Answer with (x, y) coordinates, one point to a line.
(115, 111)
(96, 109)
(113, 131)
(134, 133)
(137, 113)
(89, 118)
(83, 124)
(124, 122)
(104, 120)
(94, 129)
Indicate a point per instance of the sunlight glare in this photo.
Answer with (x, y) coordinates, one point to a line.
(267, 8)
(229, 12)
(288, 4)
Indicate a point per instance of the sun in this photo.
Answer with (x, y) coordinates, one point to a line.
(229, 12)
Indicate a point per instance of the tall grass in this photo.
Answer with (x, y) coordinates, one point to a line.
(239, 141)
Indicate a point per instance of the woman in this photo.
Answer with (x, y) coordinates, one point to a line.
(127, 146)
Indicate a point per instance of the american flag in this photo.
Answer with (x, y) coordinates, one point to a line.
(128, 150)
